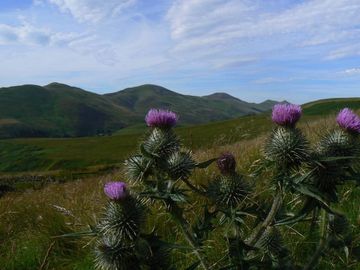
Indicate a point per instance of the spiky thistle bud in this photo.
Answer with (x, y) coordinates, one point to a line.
(137, 167)
(228, 190)
(112, 255)
(123, 214)
(180, 165)
(119, 229)
(226, 163)
(161, 118)
(161, 143)
(337, 144)
(287, 148)
(349, 121)
(286, 115)
(271, 242)
(122, 219)
(330, 171)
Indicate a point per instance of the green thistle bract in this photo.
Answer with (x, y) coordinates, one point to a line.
(271, 242)
(112, 255)
(180, 165)
(287, 147)
(228, 190)
(137, 167)
(122, 220)
(337, 144)
(161, 143)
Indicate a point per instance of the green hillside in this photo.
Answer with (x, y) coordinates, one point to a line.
(77, 153)
(59, 110)
(192, 109)
(331, 105)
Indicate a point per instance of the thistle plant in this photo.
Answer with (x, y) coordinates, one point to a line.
(159, 180)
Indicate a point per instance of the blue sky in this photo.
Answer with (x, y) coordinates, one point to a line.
(251, 49)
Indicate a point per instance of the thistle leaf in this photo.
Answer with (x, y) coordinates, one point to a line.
(205, 164)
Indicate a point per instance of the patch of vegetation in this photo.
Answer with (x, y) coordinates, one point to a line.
(30, 221)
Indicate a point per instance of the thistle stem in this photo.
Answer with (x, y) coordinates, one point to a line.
(259, 231)
(194, 188)
(176, 214)
(322, 243)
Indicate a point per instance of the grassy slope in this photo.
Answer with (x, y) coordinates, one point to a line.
(57, 110)
(193, 109)
(77, 153)
(29, 220)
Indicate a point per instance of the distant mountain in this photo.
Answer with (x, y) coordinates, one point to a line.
(59, 110)
(192, 109)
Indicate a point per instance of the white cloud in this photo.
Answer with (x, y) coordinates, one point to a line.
(233, 63)
(345, 51)
(92, 10)
(198, 24)
(351, 71)
(27, 34)
(270, 80)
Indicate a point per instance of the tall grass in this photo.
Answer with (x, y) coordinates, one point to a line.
(30, 221)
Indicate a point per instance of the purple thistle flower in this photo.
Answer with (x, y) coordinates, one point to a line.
(226, 163)
(161, 118)
(286, 114)
(348, 120)
(116, 190)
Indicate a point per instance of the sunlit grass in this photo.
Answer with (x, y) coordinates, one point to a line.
(30, 221)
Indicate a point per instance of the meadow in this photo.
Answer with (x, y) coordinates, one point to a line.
(31, 220)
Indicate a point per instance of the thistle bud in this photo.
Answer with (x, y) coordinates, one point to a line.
(161, 118)
(228, 190)
(286, 115)
(180, 165)
(116, 190)
(349, 121)
(288, 148)
(226, 163)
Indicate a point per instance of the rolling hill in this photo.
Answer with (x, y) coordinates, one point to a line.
(59, 110)
(47, 154)
(192, 109)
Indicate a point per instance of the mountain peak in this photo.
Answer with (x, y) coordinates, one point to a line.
(220, 95)
(149, 88)
(56, 85)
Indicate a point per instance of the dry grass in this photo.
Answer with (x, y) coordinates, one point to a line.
(29, 221)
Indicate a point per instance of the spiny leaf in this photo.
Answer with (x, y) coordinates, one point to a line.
(205, 164)
(314, 193)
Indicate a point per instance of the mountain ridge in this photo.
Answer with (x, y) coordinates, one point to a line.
(60, 110)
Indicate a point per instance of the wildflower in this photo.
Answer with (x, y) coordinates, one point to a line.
(286, 114)
(116, 190)
(226, 163)
(348, 120)
(161, 118)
